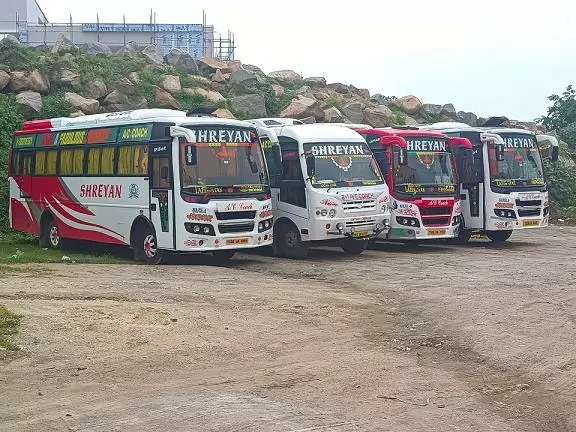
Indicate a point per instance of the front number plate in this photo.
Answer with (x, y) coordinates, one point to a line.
(361, 234)
(237, 241)
(530, 223)
(436, 232)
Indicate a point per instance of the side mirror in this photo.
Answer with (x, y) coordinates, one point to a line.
(191, 155)
(555, 153)
(499, 152)
(164, 173)
(310, 164)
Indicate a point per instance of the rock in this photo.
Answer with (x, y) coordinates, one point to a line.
(252, 105)
(496, 121)
(219, 77)
(467, 117)
(302, 107)
(33, 81)
(209, 65)
(333, 115)
(115, 97)
(134, 77)
(431, 109)
(364, 93)
(321, 96)
(77, 114)
(171, 83)
(182, 60)
(380, 99)
(409, 121)
(224, 113)
(163, 99)
(70, 77)
(285, 76)
(29, 103)
(353, 111)
(154, 54)
(278, 89)
(131, 48)
(4, 79)
(97, 48)
(315, 81)
(202, 81)
(449, 110)
(4, 68)
(409, 104)
(215, 97)
(128, 103)
(254, 69)
(339, 88)
(480, 121)
(217, 86)
(379, 116)
(87, 106)
(243, 75)
(309, 120)
(196, 91)
(306, 91)
(125, 86)
(63, 44)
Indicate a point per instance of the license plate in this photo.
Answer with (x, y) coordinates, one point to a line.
(436, 232)
(361, 234)
(237, 241)
(529, 223)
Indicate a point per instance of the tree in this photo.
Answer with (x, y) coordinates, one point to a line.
(562, 113)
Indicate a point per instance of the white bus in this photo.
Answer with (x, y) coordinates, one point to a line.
(507, 189)
(326, 186)
(156, 180)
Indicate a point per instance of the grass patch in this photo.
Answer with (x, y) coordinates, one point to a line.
(399, 115)
(8, 325)
(18, 249)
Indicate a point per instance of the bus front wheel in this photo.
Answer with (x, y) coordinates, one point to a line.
(50, 235)
(354, 247)
(290, 243)
(147, 248)
(499, 236)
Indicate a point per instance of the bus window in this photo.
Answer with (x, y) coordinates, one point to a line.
(72, 161)
(141, 160)
(161, 178)
(107, 161)
(133, 160)
(94, 155)
(40, 168)
(22, 163)
(51, 158)
(125, 160)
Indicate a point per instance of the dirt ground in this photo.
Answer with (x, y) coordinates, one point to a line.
(436, 338)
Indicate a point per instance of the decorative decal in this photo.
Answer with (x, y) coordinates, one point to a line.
(328, 202)
(163, 204)
(134, 191)
(266, 214)
(199, 217)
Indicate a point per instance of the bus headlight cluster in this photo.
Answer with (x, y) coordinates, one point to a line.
(510, 214)
(340, 226)
(265, 225)
(408, 221)
(384, 208)
(332, 213)
(200, 229)
(455, 220)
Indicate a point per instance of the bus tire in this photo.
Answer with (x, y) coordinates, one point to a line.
(223, 255)
(354, 247)
(146, 247)
(290, 243)
(49, 234)
(499, 236)
(463, 236)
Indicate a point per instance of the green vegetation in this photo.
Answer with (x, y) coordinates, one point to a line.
(274, 104)
(399, 115)
(8, 325)
(55, 105)
(333, 102)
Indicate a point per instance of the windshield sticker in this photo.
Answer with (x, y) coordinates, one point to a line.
(518, 182)
(410, 188)
(344, 163)
(208, 189)
(426, 145)
(447, 188)
(251, 188)
(519, 142)
(339, 150)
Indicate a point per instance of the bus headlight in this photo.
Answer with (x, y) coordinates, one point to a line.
(196, 229)
(384, 208)
(340, 226)
(206, 230)
(332, 213)
(260, 226)
(408, 221)
(265, 225)
(510, 214)
(324, 213)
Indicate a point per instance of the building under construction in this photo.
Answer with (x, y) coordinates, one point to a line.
(25, 20)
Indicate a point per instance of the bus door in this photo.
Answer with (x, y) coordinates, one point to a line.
(162, 193)
(292, 194)
(21, 166)
(273, 157)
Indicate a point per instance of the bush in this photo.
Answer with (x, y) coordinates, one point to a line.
(10, 120)
(568, 134)
(562, 182)
(54, 106)
(274, 104)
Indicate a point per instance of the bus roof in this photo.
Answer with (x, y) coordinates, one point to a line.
(319, 132)
(121, 118)
(274, 121)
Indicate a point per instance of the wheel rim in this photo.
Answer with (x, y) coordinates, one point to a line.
(54, 236)
(291, 239)
(150, 248)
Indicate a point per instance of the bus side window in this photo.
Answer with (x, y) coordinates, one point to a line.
(22, 163)
(292, 186)
(161, 178)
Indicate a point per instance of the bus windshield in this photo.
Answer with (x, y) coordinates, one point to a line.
(429, 168)
(343, 165)
(521, 164)
(223, 159)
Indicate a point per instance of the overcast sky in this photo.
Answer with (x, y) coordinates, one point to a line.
(492, 57)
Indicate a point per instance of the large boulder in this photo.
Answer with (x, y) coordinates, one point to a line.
(220, 77)
(171, 83)
(409, 104)
(254, 69)
(379, 99)
(87, 106)
(278, 89)
(339, 88)
(224, 113)
(4, 79)
(409, 121)
(467, 117)
(379, 116)
(200, 80)
(125, 86)
(315, 81)
(131, 48)
(182, 60)
(96, 89)
(5, 68)
(29, 103)
(163, 99)
(97, 48)
(364, 93)
(114, 97)
(449, 110)
(302, 107)
(134, 77)
(285, 76)
(128, 103)
(253, 105)
(214, 96)
(196, 91)
(333, 115)
(63, 44)
(354, 111)
(209, 65)
(243, 75)
(431, 110)
(70, 77)
(33, 81)
(154, 54)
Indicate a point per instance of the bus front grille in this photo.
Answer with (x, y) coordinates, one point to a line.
(358, 205)
(236, 227)
(436, 221)
(235, 215)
